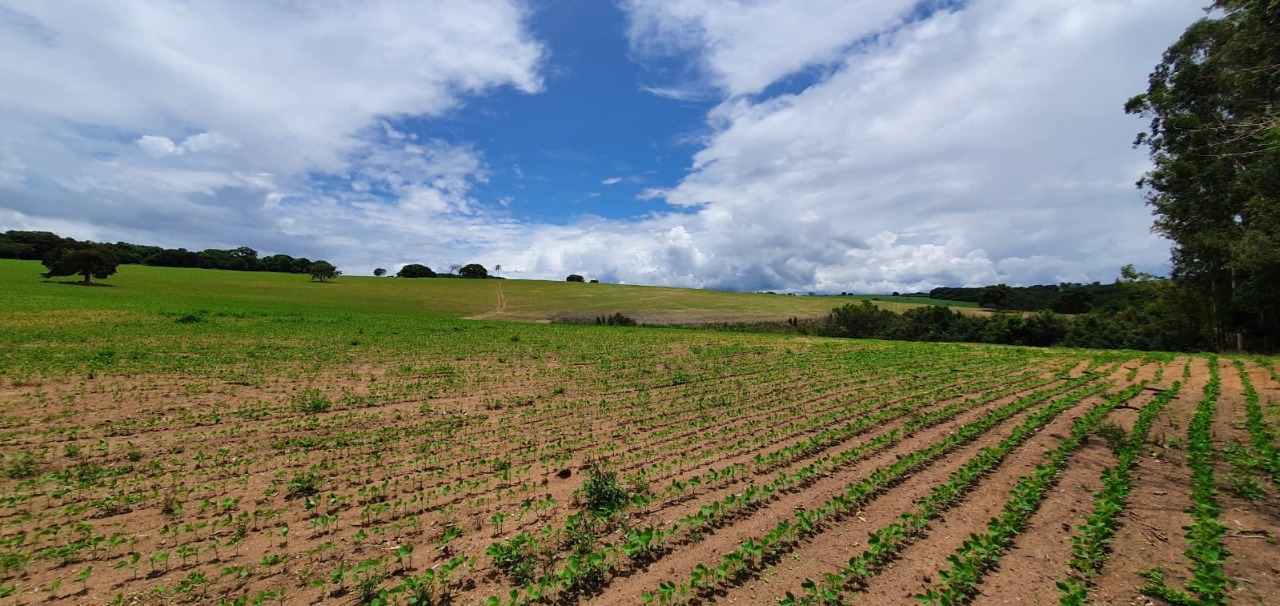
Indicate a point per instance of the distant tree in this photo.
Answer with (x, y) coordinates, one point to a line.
(453, 269)
(15, 250)
(280, 263)
(415, 270)
(997, 297)
(323, 271)
(379, 272)
(80, 259)
(497, 269)
(30, 244)
(174, 257)
(594, 281)
(575, 278)
(245, 259)
(473, 270)
(1073, 301)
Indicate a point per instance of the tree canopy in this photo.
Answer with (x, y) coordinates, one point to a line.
(324, 271)
(473, 270)
(1214, 139)
(80, 259)
(575, 278)
(415, 270)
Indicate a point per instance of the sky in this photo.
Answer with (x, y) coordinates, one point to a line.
(789, 145)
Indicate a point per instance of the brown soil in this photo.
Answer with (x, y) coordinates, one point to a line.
(403, 451)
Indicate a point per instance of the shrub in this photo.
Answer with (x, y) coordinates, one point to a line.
(603, 493)
(617, 319)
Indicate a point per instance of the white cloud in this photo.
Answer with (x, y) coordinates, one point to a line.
(744, 46)
(979, 144)
(612, 181)
(159, 146)
(165, 116)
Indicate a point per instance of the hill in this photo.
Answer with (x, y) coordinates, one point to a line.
(181, 290)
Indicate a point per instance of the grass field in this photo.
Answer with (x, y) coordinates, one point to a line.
(204, 437)
(181, 290)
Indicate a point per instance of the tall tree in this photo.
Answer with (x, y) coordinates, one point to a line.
(83, 259)
(323, 271)
(473, 270)
(1214, 139)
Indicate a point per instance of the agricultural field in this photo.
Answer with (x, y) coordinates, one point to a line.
(180, 437)
(147, 289)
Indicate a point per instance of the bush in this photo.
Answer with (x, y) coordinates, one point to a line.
(603, 493)
(617, 319)
(575, 278)
(312, 401)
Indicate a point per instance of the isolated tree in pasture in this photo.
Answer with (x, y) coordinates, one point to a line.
(473, 270)
(323, 271)
(575, 278)
(415, 270)
(87, 260)
(1214, 140)
(379, 272)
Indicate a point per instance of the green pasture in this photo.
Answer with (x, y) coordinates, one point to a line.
(155, 319)
(163, 289)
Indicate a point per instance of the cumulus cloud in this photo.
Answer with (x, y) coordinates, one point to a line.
(159, 146)
(927, 144)
(151, 117)
(983, 142)
(743, 47)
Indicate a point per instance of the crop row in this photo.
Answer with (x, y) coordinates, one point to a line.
(1204, 535)
(754, 553)
(644, 545)
(1259, 433)
(1090, 547)
(981, 552)
(886, 543)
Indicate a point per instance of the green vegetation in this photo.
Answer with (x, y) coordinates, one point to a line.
(1090, 546)
(1214, 139)
(198, 435)
(144, 293)
(1205, 549)
(85, 260)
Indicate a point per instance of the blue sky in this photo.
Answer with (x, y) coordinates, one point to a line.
(556, 155)
(803, 145)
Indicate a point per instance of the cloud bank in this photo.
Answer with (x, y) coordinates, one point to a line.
(854, 145)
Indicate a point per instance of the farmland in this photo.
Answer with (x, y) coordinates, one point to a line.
(188, 436)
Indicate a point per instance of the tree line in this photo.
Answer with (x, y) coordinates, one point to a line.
(1065, 298)
(36, 245)
(67, 256)
(1213, 135)
(55, 251)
